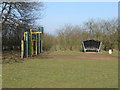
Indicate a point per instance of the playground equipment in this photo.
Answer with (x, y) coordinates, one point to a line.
(32, 42)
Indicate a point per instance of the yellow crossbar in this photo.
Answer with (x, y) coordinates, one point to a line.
(35, 32)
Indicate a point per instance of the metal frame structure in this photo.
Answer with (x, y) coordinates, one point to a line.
(90, 47)
(32, 42)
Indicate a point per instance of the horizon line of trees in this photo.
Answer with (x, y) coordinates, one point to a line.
(70, 37)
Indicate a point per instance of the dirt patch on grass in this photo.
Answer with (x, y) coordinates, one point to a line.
(10, 57)
(88, 56)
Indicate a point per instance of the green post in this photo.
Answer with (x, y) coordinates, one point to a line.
(42, 30)
(41, 46)
(36, 45)
(39, 43)
(29, 45)
(26, 44)
(41, 51)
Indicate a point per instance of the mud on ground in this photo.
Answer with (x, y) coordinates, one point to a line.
(88, 56)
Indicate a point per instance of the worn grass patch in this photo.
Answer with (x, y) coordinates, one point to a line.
(66, 53)
(61, 73)
(11, 57)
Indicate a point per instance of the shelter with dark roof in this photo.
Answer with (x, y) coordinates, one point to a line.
(91, 45)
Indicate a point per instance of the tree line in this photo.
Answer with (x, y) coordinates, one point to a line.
(70, 37)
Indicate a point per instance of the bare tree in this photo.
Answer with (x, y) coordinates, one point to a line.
(17, 17)
(70, 37)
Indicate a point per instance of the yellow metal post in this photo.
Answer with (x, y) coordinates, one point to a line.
(31, 53)
(30, 30)
(22, 48)
(32, 49)
(24, 35)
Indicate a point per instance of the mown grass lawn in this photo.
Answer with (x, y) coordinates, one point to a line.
(115, 53)
(61, 73)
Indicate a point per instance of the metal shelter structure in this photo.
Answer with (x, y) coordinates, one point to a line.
(91, 45)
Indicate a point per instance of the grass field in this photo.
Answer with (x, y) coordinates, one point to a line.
(61, 73)
(115, 53)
